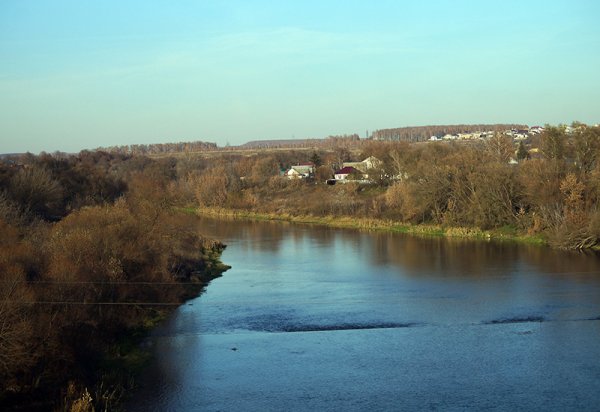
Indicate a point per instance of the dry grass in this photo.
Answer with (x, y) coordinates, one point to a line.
(370, 224)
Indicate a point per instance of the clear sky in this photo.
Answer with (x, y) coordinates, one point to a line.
(83, 74)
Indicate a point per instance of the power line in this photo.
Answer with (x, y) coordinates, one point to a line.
(95, 303)
(83, 282)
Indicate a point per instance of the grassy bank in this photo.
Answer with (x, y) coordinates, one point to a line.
(369, 224)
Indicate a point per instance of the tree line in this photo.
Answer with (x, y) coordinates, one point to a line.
(326, 143)
(160, 148)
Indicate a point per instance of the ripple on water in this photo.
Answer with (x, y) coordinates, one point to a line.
(516, 319)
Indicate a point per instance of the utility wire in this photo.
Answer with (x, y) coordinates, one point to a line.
(100, 282)
(107, 282)
(95, 303)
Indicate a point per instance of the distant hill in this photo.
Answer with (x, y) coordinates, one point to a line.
(301, 143)
(280, 143)
(422, 133)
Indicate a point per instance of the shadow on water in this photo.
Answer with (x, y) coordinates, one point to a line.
(286, 322)
(526, 319)
(345, 326)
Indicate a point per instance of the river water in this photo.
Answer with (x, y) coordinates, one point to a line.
(320, 319)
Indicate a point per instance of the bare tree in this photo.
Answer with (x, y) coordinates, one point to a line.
(500, 147)
(36, 190)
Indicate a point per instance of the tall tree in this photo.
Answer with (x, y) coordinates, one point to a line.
(522, 152)
(586, 145)
(553, 142)
(316, 159)
(500, 147)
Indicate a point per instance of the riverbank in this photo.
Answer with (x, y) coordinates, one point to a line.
(126, 359)
(111, 357)
(347, 222)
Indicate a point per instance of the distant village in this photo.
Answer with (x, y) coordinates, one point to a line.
(358, 172)
(516, 134)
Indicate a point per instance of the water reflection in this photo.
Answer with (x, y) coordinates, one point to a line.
(416, 256)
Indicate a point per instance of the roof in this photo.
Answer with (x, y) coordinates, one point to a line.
(346, 170)
(302, 169)
(371, 159)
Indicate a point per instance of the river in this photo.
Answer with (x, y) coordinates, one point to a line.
(320, 319)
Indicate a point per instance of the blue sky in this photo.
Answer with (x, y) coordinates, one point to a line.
(83, 74)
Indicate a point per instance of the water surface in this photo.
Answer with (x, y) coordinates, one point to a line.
(312, 318)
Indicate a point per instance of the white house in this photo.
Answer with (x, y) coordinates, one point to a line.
(343, 173)
(300, 172)
(370, 162)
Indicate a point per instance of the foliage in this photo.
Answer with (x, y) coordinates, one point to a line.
(81, 269)
(554, 142)
(500, 148)
(316, 159)
(586, 144)
(522, 152)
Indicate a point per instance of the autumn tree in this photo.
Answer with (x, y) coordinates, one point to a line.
(214, 185)
(341, 155)
(323, 173)
(522, 152)
(586, 145)
(553, 142)
(540, 182)
(493, 196)
(264, 169)
(16, 329)
(316, 159)
(575, 227)
(398, 158)
(36, 191)
(500, 147)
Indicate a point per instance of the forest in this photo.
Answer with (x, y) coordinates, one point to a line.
(93, 253)
(97, 247)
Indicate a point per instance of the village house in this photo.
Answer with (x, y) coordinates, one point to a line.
(344, 172)
(358, 169)
(369, 163)
(300, 171)
(536, 129)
